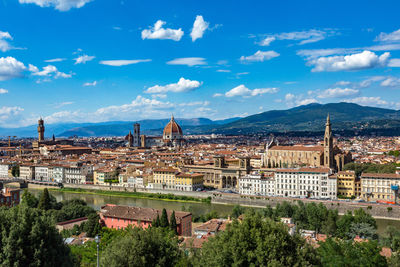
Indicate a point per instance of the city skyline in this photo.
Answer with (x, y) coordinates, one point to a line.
(93, 61)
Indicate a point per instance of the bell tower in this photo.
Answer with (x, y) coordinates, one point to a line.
(328, 144)
(40, 130)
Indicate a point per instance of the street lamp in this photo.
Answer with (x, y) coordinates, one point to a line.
(97, 239)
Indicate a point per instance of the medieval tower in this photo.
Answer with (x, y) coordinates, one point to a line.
(40, 130)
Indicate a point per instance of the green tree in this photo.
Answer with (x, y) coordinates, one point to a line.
(28, 199)
(164, 219)
(29, 238)
(363, 230)
(237, 211)
(150, 247)
(349, 253)
(173, 225)
(391, 238)
(256, 242)
(44, 201)
(15, 171)
(92, 226)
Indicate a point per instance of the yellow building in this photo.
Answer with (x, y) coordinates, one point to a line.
(102, 176)
(172, 179)
(189, 181)
(347, 184)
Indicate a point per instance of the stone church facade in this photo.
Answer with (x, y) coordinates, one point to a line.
(328, 155)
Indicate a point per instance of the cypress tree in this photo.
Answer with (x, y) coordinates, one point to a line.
(173, 223)
(164, 219)
(44, 201)
(156, 222)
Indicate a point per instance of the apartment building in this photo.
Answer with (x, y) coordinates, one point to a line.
(257, 184)
(379, 186)
(27, 171)
(43, 173)
(58, 174)
(306, 182)
(172, 179)
(78, 173)
(189, 181)
(4, 170)
(164, 178)
(347, 184)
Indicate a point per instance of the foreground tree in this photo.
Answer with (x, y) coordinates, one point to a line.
(349, 253)
(164, 219)
(256, 242)
(29, 238)
(172, 224)
(44, 201)
(150, 247)
(28, 199)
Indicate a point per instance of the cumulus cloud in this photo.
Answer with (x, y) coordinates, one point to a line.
(83, 59)
(10, 68)
(292, 100)
(391, 82)
(3, 91)
(222, 70)
(189, 61)
(8, 115)
(61, 5)
(183, 85)
(368, 101)
(267, 41)
(217, 95)
(4, 44)
(48, 71)
(123, 62)
(338, 93)
(260, 56)
(90, 84)
(199, 27)
(243, 91)
(389, 37)
(158, 32)
(363, 60)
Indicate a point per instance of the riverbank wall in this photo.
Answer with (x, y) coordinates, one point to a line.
(382, 211)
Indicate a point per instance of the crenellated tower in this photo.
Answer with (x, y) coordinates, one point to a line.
(40, 130)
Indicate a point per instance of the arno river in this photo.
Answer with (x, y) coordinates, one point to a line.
(97, 201)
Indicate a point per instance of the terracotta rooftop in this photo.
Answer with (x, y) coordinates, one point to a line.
(319, 170)
(138, 213)
(298, 148)
(380, 175)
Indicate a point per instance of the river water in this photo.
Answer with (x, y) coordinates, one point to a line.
(96, 201)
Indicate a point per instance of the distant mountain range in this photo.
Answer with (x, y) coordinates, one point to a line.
(345, 117)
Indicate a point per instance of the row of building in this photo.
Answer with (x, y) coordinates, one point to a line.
(321, 183)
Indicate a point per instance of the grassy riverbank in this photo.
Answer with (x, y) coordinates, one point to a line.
(154, 196)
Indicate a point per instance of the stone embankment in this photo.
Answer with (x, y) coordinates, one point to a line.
(377, 210)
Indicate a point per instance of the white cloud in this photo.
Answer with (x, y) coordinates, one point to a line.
(195, 103)
(189, 61)
(199, 27)
(217, 95)
(267, 41)
(123, 62)
(389, 37)
(395, 62)
(293, 100)
(391, 82)
(260, 56)
(221, 70)
(183, 85)
(368, 101)
(3, 91)
(305, 37)
(10, 68)
(242, 90)
(343, 83)
(62, 104)
(83, 59)
(9, 115)
(338, 93)
(61, 5)
(4, 44)
(48, 71)
(90, 84)
(369, 81)
(163, 96)
(54, 60)
(158, 32)
(363, 60)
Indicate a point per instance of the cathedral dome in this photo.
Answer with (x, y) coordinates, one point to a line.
(172, 130)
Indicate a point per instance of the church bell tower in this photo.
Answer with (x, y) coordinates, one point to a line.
(328, 144)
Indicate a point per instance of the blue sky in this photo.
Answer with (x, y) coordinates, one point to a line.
(104, 60)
